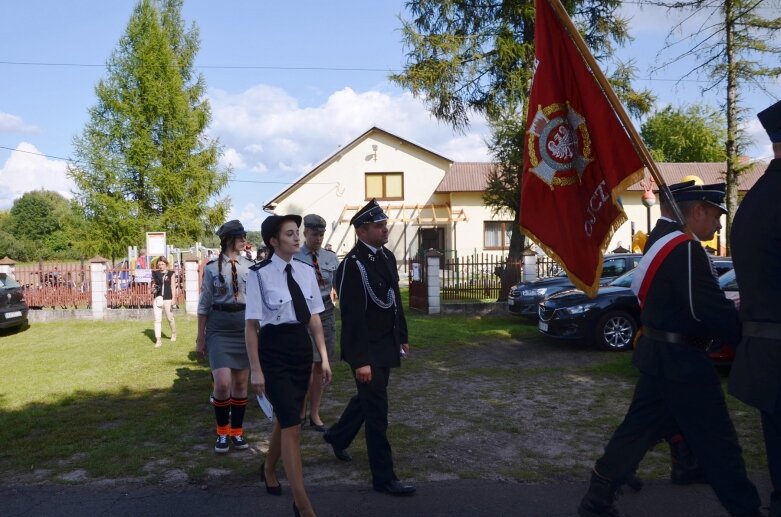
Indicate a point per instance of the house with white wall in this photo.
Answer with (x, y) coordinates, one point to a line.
(433, 202)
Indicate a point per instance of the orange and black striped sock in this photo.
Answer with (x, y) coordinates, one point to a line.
(238, 407)
(222, 410)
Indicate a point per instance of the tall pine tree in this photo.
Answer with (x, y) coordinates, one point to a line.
(143, 161)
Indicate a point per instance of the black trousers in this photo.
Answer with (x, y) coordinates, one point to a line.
(771, 428)
(700, 412)
(369, 406)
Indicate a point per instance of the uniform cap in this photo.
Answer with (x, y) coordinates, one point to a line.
(232, 228)
(371, 213)
(770, 119)
(314, 222)
(690, 191)
(271, 224)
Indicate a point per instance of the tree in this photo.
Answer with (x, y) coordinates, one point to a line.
(466, 58)
(143, 162)
(727, 43)
(40, 223)
(694, 134)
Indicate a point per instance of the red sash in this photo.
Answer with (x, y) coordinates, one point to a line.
(652, 260)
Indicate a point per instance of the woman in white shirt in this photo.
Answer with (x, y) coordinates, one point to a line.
(283, 301)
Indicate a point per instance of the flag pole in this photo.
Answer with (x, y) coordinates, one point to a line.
(618, 108)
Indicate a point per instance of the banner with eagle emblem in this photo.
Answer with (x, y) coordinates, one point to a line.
(578, 157)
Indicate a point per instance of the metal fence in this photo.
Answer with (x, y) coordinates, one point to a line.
(546, 266)
(55, 285)
(68, 286)
(477, 278)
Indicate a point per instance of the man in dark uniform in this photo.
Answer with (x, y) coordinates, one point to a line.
(374, 332)
(756, 253)
(679, 388)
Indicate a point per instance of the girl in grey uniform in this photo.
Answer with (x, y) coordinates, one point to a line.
(283, 301)
(221, 334)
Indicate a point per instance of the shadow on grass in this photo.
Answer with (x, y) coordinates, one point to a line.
(114, 434)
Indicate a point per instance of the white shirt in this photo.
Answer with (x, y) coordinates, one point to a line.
(269, 300)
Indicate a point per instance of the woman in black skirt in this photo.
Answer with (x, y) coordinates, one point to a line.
(283, 301)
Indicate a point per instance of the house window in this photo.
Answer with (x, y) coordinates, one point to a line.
(385, 185)
(496, 234)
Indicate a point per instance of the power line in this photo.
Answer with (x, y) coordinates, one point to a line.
(214, 67)
(33, 152)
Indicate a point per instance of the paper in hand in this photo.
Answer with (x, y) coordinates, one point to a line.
(265, 405)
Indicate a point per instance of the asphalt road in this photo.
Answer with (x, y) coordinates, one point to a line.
(465, 498)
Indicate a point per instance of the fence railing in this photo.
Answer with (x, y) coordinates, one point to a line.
(546, 266)
(68, 286)
(476, 278)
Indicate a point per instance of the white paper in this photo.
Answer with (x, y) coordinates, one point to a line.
(265, 405)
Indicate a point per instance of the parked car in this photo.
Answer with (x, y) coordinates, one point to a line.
(611, 319)
(524, 297)
(13, 308)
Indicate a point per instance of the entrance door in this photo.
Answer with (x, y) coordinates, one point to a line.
(432, 238)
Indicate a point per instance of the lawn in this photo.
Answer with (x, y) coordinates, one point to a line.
(479, 397)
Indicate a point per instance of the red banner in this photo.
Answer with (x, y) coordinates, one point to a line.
(578, 158)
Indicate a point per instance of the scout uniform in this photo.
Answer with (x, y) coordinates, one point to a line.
(324, 263)
(222, 301)
(373, 328)
(756, 253)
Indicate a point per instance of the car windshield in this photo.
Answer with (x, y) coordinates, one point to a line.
(624, 280)
(7, 281)
(728, 281)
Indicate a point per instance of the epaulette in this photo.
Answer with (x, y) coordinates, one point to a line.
(261, 264)
(299, 260)
(211, 261)
(323, 250)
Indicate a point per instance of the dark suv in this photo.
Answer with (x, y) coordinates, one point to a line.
(13, 308)
(524, 297)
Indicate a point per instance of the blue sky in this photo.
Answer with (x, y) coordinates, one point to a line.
(273, 122)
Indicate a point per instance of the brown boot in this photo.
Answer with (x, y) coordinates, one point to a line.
(598, 501)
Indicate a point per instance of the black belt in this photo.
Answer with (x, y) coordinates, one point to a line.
(674, 337)
(762, 329)
(229, 307)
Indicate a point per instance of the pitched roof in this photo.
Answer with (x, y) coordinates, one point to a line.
(340, 152)
(473, 176)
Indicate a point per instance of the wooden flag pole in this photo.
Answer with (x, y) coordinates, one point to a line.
(618, 108)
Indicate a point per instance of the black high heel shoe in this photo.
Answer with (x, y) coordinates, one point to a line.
(273, 490)
(295, 510)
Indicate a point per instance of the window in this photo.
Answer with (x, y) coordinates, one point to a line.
(496, 234)
(385, 185)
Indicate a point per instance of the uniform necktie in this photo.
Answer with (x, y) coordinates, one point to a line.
(317, 269)
(235, 280)
(299, 303)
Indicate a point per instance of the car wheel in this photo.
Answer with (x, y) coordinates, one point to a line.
(615, 331)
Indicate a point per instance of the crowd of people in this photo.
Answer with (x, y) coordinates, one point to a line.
(268, 329)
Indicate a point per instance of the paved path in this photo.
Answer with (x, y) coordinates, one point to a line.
(466, 498)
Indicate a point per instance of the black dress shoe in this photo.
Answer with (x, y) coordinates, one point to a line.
(320, 428)
(271, 489)
(341, 454)
(395, 487)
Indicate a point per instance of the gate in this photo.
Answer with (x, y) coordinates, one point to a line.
(418, 289)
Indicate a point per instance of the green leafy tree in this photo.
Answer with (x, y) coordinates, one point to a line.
(694, 134)
(466, 58)
(40, 222)
(143, 162)
(728, 42)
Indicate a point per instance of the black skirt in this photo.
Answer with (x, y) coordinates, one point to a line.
(286, 361)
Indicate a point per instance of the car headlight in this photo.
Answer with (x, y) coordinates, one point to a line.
(534, 292)
(578, 309)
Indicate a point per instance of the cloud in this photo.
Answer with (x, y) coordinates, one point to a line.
(13, 124)
(24, 172)
(279, 135)
(232, 158)
(250, 215)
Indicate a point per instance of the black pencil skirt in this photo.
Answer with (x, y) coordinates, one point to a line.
(286, 360)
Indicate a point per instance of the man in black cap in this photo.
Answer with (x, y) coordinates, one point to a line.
(756, 253)
(682, 310)
(374, 333)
